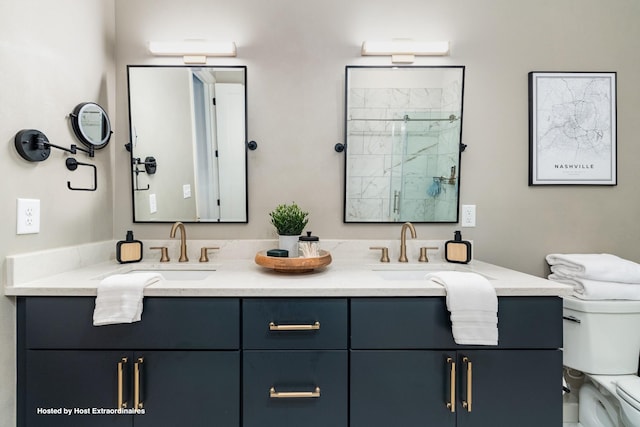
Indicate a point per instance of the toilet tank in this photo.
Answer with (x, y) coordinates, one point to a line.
(601, 337)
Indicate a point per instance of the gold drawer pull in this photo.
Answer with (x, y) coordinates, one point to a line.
(137, 368)
(274, 327)
(467, 403)
(121, 401)
(293, 394)
(451, 404)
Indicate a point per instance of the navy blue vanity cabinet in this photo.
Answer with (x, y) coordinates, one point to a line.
(295, 362)
(405, 368)
(180, 364)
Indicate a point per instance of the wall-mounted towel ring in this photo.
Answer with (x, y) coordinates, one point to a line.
(72, 164)
(137, 187)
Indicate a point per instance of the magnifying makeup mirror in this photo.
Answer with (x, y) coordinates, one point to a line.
(91, 125)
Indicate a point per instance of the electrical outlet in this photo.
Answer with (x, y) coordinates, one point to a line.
(28, 216)
(468, 216)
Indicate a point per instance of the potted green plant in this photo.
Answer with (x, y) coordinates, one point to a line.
(289, 221)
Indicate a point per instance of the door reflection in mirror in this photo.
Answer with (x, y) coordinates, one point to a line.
(192, 120)
(403, 132)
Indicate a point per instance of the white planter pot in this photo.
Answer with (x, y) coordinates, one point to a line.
(289, 243)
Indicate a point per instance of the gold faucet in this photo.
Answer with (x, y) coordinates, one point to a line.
(403, 240)
(183, 240)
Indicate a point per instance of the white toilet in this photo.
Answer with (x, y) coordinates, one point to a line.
(602, 340)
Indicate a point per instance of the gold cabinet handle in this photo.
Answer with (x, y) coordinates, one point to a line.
(121, 402)
(137, 368)
(314, 327)
(469, 398)
(451, 404)
(293, 394)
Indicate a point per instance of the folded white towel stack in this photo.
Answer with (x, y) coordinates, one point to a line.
(598, 290)
(603, 267)
(473, 304)
(596, 276)
(119, 298)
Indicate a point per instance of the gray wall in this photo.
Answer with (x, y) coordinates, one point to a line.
(53, 56)
(296, 52)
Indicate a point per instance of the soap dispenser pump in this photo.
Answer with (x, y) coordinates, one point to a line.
(129, 250)
(457, 250)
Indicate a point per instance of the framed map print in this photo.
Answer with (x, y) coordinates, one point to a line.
(572, 128)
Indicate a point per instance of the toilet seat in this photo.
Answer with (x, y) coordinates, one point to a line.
(628, 391)
(628, 388)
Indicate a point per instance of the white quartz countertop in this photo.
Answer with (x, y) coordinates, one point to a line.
(77, 271)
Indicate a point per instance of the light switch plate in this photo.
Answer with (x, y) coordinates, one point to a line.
(186, 190)
(28, 216)
(153, 204)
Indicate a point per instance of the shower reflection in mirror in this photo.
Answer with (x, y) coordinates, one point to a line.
(192, 121)
(403, 130)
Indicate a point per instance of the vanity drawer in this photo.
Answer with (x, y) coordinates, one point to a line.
(295, 388)
(415, 323)
(294, 323)
(167, 323)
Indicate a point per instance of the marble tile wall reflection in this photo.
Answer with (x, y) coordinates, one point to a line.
(387, 155)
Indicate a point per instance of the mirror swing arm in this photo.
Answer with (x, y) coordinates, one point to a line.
(34, 146)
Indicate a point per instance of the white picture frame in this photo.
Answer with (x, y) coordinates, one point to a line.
(572, 128)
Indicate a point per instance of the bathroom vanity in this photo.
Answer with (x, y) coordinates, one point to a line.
(244, 346)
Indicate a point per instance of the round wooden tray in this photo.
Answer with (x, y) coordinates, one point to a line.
(293, 265)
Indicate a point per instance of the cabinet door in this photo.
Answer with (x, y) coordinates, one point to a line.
(188, 388)
(510, 388)
(392, 388)
(72, 382)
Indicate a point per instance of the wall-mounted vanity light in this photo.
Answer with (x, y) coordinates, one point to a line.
(405, 50)
(193, 51)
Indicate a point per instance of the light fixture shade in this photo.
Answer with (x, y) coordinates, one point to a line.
(405, 48)
(193, 48)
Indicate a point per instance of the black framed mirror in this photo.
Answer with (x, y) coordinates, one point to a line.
(191, 120)
(91, 125)
(403, 130)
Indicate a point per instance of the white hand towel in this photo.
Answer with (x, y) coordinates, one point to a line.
(119, 298)
(473, 304)
(599, 290)
(603, 267)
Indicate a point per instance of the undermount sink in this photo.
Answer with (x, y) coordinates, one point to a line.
(177, 274)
